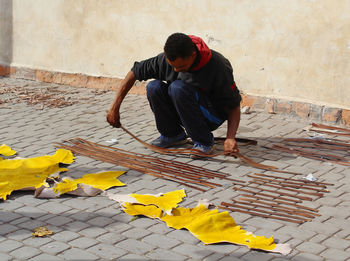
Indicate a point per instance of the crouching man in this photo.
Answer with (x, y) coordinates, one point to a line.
(192, 93)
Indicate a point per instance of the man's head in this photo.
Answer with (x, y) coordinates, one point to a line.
(180, 52)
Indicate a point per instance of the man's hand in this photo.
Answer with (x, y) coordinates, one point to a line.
(230, 146)
(113, 118)
(233, 120)
(113, 115)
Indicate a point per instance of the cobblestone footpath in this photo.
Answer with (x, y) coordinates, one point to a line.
(95, 228)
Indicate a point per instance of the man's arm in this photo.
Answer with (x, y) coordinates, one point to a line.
(233, 120)
(113, 115)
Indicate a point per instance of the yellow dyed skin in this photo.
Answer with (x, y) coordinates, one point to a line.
(32, 172)
(166, 201)
(209, 226)
(103, 181)
(138, 209)
(6, 150)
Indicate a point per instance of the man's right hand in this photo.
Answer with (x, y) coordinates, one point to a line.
(113, 115)
(113, 118)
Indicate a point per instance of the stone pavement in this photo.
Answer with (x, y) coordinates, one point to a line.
(95, 228)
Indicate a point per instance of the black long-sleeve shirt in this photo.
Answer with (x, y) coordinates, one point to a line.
(214, 79)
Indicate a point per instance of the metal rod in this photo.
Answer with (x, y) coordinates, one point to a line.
(275, 207)
(226, 204)
(322, 126)
(267, 195)
(272, 204)
(282, 193)
(289, 184)
(141, 167)
(278, 200)
(306, 182)
(261, 215)
(280, 187)
(198, 152)
(148, 164)
(286, 186)
(313, 155)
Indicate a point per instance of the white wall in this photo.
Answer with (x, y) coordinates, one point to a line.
(299, 49)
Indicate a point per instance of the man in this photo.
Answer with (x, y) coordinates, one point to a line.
(193, 94)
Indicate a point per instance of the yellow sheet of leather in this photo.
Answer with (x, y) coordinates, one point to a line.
(31, 172)
(209, 226)
(102, 180)
(166, 201)
(6, 150)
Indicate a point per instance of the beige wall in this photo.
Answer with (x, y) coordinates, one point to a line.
(5, 32)
(294, 49)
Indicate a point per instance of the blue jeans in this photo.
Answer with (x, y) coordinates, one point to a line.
(178, 106)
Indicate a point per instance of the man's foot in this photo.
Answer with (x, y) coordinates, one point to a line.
(165, 142)
(202, 148)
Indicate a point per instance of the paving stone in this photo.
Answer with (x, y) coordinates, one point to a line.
(78, 254)
(31, 224)
(310, 247)
(320, 228)
(9, 245)
(336, 212)
(54, 207)
(20, 234)
(109, 212)
(335, 254)
(59, 220)
(117, 227)
(136, 233)
(65, 236)
(5, 257)
(111, 238)
(306, 256)
(183, 236)
(192, 251)
(83, 216)
(296, 232)
(161, 241)
(160, 228)
(25, 252)
(215, 256)
(135, 246)
(345, 233)
(45, 257)
(337, 243)
(268, 224)
(227, 258)
(224, 248)
(100, 221)
(75, 226)
(6, 229)
(255, 255)
(29, 200)
(10, 205)
(37, 241)
(162, 254)
(93, 232)
(340, 223)
(8, 216)
(83, 242)
(143, 222)
(133, 257)
(46, 217)
(78, 203)
(107, 251)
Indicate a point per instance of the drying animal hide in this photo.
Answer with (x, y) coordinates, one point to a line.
(209, 226)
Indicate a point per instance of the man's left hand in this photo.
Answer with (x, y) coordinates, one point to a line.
(230, 146)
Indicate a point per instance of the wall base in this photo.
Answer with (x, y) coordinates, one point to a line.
(280, 106)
